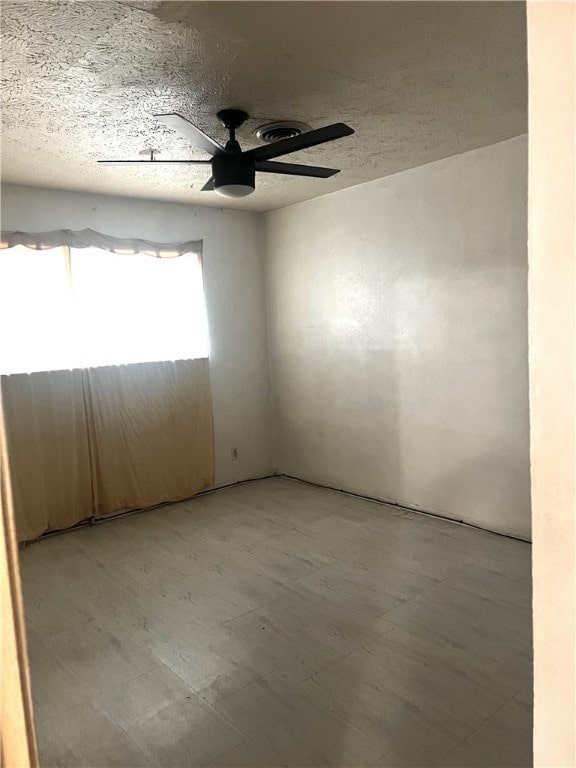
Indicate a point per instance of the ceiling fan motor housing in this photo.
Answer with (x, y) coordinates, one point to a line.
(233, 169)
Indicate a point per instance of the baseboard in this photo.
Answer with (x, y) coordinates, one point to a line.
(97, 520)
(217, 489)
(408, 508)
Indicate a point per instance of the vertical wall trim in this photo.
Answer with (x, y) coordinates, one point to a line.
(551, 216)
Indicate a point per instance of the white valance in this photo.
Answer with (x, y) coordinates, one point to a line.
(89, 238)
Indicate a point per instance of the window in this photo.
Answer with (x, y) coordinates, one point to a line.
(85, 307)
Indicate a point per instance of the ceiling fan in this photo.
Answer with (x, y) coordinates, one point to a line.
(233, 171)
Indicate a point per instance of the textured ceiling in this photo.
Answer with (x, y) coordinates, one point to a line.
(417, 81)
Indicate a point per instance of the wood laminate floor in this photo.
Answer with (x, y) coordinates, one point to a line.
(280, 624)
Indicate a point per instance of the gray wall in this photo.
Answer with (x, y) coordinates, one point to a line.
(234, 288)
(398, 337)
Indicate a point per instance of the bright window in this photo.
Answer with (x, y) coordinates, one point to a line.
(98, 308)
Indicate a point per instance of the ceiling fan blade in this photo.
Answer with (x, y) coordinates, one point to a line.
(293, 169)
(154, 162)
(305, 140)
(209, 186)
(196, 136)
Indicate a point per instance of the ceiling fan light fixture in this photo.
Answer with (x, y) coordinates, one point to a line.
(234, 175)
(233, 190)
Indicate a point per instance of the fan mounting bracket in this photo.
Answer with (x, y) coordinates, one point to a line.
(232, 118)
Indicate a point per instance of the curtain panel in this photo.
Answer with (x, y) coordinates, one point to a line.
(151, 431)
(94, 441)
(48, 450)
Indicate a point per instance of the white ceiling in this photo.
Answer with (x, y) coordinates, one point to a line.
(418, 81)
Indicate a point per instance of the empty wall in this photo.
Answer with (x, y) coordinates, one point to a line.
(398, 337)
(234, 288)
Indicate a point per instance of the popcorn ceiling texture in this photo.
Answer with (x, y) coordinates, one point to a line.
(417, 81)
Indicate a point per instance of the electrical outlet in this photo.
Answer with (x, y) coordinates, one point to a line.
(234, 454)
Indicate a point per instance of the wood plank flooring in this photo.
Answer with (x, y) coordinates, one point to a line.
(280, 624)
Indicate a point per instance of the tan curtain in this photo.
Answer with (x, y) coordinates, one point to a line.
(93, 441)
(47, 440)
(152, 433)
